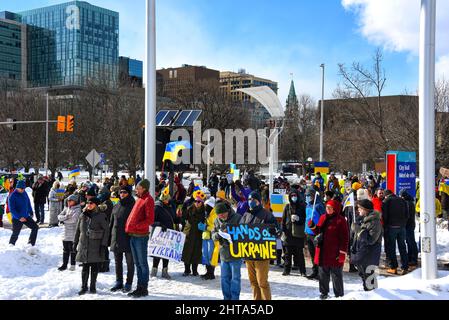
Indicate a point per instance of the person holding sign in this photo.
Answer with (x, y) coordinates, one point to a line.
(192, 252)
(258, 270)
(332, 241)
(230, 266)
(293, 223)
(164, 217)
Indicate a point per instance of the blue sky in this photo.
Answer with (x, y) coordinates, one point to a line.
(270, 39)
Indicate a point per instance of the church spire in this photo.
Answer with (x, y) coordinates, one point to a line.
(292, 99)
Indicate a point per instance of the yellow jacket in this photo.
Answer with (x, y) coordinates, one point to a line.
(438, 210)
(207, 235)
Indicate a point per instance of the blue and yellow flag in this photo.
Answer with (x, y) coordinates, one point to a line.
(172, 149)
(444, 186)
(233, 167)
(74, 173)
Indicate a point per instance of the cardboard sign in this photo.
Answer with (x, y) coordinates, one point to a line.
(167, 245)
(252, 242)
(3, 197)
(280, 191)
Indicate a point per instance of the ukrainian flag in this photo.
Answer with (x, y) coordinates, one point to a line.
(233, 167)
(172, 149)
(444, 187)
(278, 203)
(74, 173)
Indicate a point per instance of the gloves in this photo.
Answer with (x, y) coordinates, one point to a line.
(201, 226)
(295, 218)
(341, 257)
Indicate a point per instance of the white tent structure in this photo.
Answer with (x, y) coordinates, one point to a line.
(268, 98)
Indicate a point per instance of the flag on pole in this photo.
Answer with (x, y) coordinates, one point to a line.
(172, 149)
(349, 201)
(444, 186)
(233, 167)
(74, 173)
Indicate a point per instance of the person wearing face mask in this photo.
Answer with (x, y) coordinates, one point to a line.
(332, 239)
(192, 251)
(208, 243)
(164, 217)
(240, 196)
(314, 210)
(258, 270)
(293, 221)
(230, 266)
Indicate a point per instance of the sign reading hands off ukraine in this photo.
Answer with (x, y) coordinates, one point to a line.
(252, 242)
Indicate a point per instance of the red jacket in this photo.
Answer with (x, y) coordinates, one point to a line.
(141, 217)
(336, 239)
(377, 204)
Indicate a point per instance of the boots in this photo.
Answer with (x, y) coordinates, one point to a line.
(314, 274)
(153, 272)
(165, 274)
(84, 279)
(211, 274)
(93, 280)
(195, 270)
(287, 271)
(118, 286)
(352, 268)
(65, 261)
(187, 271)
(139, 292)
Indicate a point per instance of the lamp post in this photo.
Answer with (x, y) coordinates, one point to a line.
(427, 139)
(322, 118)
(150, 94)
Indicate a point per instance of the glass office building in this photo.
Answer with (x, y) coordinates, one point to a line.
(11, 43)
(70, 44)
(131, 72)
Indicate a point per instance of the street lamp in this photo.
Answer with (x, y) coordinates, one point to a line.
(322, 118)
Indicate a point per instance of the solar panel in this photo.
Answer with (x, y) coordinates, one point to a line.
(160, 116)
(168, 118)
(194, 115)
(182, 117)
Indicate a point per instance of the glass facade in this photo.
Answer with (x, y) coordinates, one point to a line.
(135, 68)
(10, 50)
(71, 43)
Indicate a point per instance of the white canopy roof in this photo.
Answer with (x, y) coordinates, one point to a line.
(266, 96)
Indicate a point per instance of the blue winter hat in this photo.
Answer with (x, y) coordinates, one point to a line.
(21, 184)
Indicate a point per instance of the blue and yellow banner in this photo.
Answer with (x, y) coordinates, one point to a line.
(322, 167)
(74, 173)
(172, 149)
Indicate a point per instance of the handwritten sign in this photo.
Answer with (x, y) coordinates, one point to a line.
(167, 245)
(3, 197)
(252, 242)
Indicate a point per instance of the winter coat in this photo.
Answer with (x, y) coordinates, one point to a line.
(377, 204)
(70, 217)
(335, 238)
(233, 219)
(288, 224)
(56, 205)
(253, 183)
(410, 203)
(394, 212)
(444, 201)
(164, 215)
(19, 205)
(367, 246)
(242, 201)
(210, 220)
(313, 215)
(180, 194)
(141, 217)
(259, 216)
(91, 237)
(213, 184)
(192, 252)
(120, 241)
(40, 192)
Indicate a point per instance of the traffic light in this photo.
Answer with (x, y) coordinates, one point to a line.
(70, 123)
(61, 124)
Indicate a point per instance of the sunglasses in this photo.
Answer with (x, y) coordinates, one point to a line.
(198, 201)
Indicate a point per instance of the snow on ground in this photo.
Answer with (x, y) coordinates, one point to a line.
(25, 276)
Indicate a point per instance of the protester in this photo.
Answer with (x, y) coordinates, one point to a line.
(240, 195)
(69, 216)
(208, 243)
(40, 193)
(314, 210)
(367, 245)
(56, 204)
(138, 228)
(318, 183)
(120, 240)
(293, 225)
(395, 217)
(4, 192)
(213, 184)
(192, 252)
(230, 266)
(331, 249)
(20, 207)
(412, 246)
(253, 182)
(258, 270)
(91, 241)
(164, 217)
(106, 206)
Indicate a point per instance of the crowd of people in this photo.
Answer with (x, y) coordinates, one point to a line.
(317, 217)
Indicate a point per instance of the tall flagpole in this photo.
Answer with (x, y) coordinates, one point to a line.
(150, 95)
(427, 139)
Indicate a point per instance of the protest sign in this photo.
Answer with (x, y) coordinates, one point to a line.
(167, 245)
(252, 242)
(3, 197)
